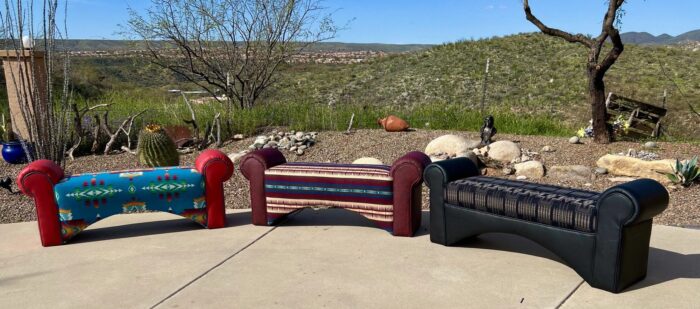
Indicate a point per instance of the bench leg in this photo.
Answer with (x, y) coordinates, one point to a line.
(621, 257)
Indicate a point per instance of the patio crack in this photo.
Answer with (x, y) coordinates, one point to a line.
(215, 266)
(570, 294)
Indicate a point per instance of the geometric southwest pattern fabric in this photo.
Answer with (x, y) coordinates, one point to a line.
(551, 205)
(86, 198)
(366, 189)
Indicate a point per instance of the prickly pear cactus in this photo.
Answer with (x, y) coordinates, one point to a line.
(155, 147)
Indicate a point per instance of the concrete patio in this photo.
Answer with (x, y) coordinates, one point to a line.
(318, 258)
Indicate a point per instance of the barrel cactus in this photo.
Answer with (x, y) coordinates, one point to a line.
(155, 147)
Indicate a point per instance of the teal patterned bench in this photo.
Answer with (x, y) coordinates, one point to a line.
(85, 199)
(67, 205)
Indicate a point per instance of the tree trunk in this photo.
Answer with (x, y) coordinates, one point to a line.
(599, 114)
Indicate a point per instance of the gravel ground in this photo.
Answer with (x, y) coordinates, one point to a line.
(684, 209)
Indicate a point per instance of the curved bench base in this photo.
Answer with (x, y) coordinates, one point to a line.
(578, 250)
(275, 219)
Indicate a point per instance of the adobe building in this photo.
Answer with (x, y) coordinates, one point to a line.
(25, 73)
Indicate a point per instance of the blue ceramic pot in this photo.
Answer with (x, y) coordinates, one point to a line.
(13, 153)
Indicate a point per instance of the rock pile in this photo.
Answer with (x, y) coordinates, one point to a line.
(296, 142)
(644, 155)
(293, 141)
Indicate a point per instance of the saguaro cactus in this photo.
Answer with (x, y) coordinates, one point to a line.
(155, 148)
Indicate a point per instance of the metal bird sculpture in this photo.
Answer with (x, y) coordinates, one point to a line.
(488, 130)
(6, 184)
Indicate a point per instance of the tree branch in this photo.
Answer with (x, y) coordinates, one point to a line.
(577, 38)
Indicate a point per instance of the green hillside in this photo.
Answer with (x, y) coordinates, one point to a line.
(529, 73)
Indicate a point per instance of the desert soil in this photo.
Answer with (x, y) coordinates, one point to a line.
(684, 208)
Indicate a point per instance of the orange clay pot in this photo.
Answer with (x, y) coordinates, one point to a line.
(393, 124)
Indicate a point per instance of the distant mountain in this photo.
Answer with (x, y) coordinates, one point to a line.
(116, 45)
(646, 38)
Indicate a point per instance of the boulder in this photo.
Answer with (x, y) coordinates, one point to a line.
(575, 140)
(236, 156)
(633, 167)
(368, 160)
(601, 170)
(503, 151)
(530, 169)
(621, 179)
(393, 124)
(449, 146)
(469, 155)
(571, 172)
(548, 148)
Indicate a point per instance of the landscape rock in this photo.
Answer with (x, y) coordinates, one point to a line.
(634, 167)
(530, 169)
(650, 145)
(236, 156)
(548, 148)
(601, 170)
(644, 155)
(574, 140)
(571, 172)
(368, 160)
(508, 171)
(521, 177)
(284, 143)
(449, 146)
(621, 179)
(238, 137)
(503, 151)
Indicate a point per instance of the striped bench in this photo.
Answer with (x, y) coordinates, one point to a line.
(389, 196)
(604, 236)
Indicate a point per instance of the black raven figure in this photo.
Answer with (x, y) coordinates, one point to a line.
(6, 184)
(487, 130)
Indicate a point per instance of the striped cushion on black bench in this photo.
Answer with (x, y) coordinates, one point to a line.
(551, 205)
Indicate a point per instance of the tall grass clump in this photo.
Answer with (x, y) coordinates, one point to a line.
(310, 116)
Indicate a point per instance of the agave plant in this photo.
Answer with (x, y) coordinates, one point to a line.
(685, 173)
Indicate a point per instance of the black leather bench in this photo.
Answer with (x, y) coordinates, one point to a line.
(604, 236)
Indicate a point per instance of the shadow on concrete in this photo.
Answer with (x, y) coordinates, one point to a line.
(510, 243)
(340, 217)
(663, 266)
(153, 228)
(13, 279)
(666, 266)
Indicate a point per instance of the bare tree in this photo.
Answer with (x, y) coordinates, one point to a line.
(230, 47)
(596, 67)
(78, 129)
(43, 108)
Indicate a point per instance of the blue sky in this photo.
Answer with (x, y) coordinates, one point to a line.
(432, 21)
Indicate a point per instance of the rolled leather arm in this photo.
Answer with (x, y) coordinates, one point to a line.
(214, 163)
(635, 201)
(37, 180)
(443, 172)
(253, 167)
(260, 160)
(216, 168)
(416, 161)
(47, 168)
